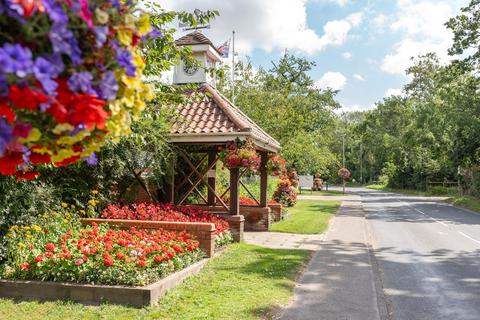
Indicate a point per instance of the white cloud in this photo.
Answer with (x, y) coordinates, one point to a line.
(393, 92)
(259, 24)
(347, 55)
(355, 19)
(332, 80)
(422, 25)
(359, 77)
(379, 22)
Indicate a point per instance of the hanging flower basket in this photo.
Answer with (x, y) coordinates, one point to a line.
(276, 165)
(70, 75)
(240, 154)
(344, 173)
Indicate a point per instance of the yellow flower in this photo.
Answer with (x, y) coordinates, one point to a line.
(65, 221)
(94, 191)
(11, 235)
(143, 25)
(28, 235)
(82, 211)
(34, 135)
(125, 36)
(101, 16)
(64, 205)
(26, 228)
(21, 245)
(92, 202)
(36, 228)
(59, 128)
(63, 154)
(45, 215)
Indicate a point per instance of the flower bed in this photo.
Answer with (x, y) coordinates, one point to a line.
(98, 255)
(168, 212)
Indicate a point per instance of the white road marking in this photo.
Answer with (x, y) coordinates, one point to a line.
(440, 222)
(468, 237)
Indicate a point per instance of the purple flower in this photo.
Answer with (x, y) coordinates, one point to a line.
(108, 87)
(81, 82)
(3, 86)
(125, 58)
(16, 59)
(155, 33)
(64, 42)
(5, 135)
(101, 34)
(55, 12)
(77, 129)
(44, 71)
(92, 160)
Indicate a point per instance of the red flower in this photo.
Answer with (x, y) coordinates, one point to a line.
(58, 112)
(38, 158)
(9, 162)
(24, 266)
(68, 256)
(48, 254)
(6, 112)
(67, 161)
(107, 260)
(141, 264)
(158, 258)
(79, 261)
(26, 97)
(177, 248)
(38, 258)
(28, 175)
(120, 255)
(88, 110)
(50, 247)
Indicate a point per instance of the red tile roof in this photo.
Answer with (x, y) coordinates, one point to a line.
(210, 115)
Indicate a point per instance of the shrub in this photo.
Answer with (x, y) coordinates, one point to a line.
(439, 190)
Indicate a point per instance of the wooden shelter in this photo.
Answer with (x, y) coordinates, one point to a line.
(208, 122)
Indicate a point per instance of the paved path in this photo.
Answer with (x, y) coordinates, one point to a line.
(339, 282)
(428, 253)
(280, 240)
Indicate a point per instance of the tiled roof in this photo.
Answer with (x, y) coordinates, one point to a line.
(194, 38)
(211, 114)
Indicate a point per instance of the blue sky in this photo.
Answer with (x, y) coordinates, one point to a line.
(361, 47)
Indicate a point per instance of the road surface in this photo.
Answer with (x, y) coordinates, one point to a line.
(427, 255)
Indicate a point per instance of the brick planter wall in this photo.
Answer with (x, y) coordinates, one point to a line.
(256, 218)
(276, 211)
(203, 232)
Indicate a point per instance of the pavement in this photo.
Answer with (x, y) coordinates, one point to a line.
(388, 256)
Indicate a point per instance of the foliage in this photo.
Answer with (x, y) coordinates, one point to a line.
(244, 282)
(70, 78)
(286, 104)
(307, 217)
(58, 249)
(276, 165)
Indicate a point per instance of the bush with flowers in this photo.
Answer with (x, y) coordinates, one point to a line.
(246, 201)
(276, 165)
(285, 193)
(58, 249)
(240, 154)
(169, 212)
(70, 75)
(344, 173)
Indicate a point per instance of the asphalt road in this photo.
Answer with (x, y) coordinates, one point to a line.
(428, 256)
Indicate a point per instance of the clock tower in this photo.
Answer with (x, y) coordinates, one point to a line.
(206, 55)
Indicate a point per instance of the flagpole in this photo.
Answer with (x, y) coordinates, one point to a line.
(233, 66)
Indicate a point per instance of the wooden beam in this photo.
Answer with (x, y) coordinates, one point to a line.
(263, 179)
(234, 191)
(212, 155)
(249, 193)
(191, 172)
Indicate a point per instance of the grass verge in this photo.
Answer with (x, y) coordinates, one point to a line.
(307, 217)
(244, 282)
(466, 202)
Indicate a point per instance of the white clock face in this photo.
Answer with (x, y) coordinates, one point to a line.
(190, 68)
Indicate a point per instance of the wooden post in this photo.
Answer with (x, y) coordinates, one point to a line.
(263, 180)
(212, 156)
(171, 182)
(234, 191)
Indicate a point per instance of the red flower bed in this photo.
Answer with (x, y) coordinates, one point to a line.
(98, 254)
(164, 212)
(245, 201)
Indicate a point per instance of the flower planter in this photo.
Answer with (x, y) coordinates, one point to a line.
(256, 218)
(96, 294)
(203, 232)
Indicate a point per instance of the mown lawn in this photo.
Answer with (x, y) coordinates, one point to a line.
(307, 217)
(245, 282)
(467, 202)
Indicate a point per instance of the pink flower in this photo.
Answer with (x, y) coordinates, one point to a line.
(79, 261)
